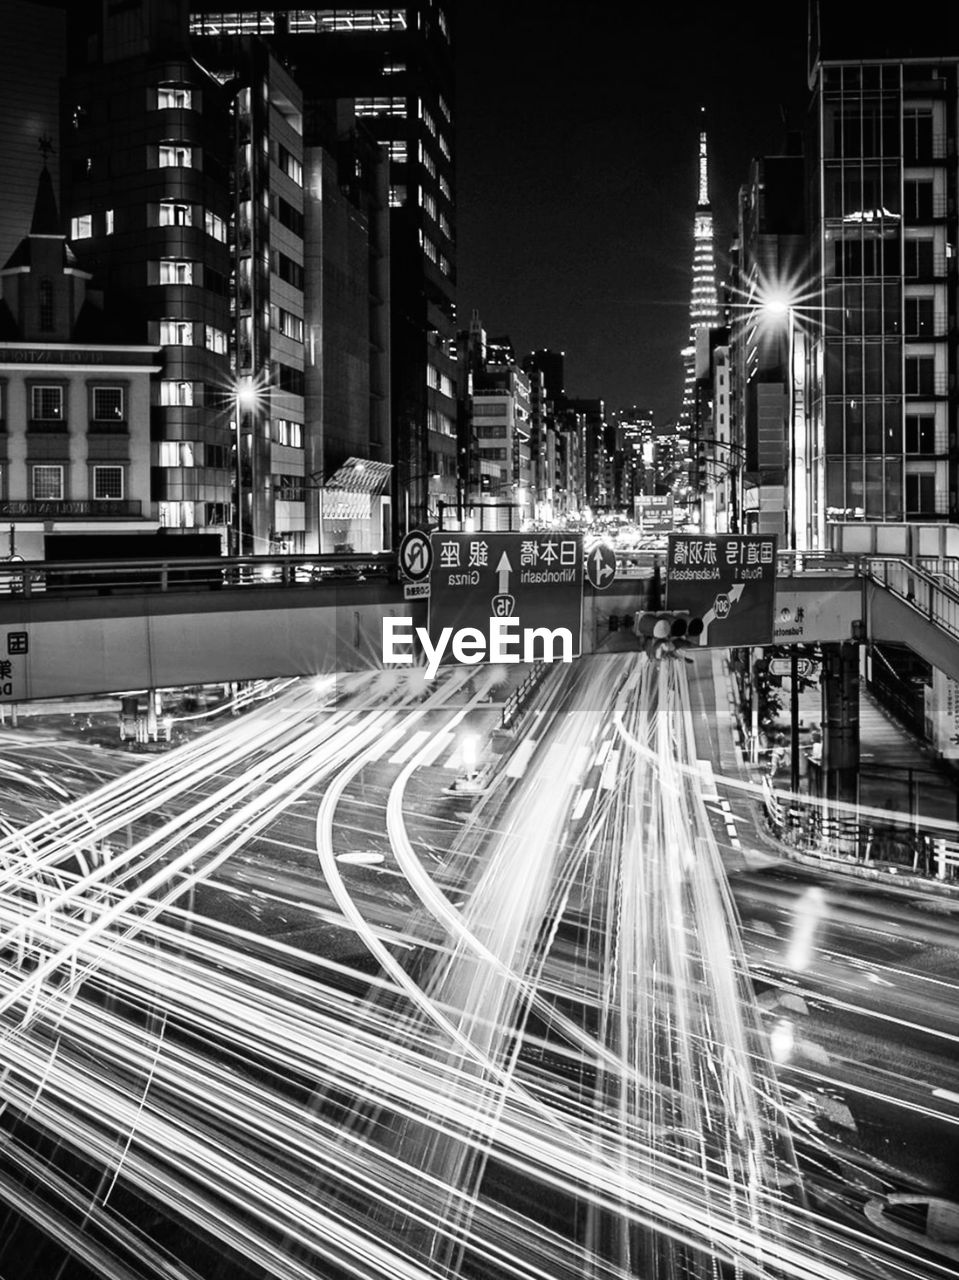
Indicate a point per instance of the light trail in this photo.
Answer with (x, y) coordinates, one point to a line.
(418, 1123)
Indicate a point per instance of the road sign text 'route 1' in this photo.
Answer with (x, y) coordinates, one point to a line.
(726, 579)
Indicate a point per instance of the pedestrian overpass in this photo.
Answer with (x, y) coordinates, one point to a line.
(73, 629)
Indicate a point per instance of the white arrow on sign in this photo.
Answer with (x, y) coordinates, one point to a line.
(711, 615)
(603, 570)
(504, 569)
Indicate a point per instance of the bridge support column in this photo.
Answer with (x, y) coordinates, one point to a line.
(840, 696)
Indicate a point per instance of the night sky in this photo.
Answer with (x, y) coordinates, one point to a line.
(577, 177)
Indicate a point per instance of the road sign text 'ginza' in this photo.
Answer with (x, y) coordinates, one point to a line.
(504, 642)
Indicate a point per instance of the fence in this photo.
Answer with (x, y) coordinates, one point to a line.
(895, 847)
(515, 703)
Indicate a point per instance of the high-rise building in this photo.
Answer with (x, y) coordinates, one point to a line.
(704, 302)
(146, 149)
(768, 263)
(881, 424)
(396, 66)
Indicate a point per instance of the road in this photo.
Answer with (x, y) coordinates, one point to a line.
(288, 1002)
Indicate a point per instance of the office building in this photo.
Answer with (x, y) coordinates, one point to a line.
(146, 152)
(881, 430)
(395, 65)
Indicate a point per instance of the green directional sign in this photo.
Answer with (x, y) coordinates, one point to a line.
(533, 579)
(728, 580)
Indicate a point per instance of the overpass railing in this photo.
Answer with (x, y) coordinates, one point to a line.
(67, 577)
(932, 594)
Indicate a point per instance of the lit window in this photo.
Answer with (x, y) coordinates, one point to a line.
(47, 404)
(174, 155)
(107, 483)
(176, 453)
(175, 214)
(108, 222)
(81, 228)
(175, 272)
(176, 393)
(216, 340)
(47, 483)
(176, 515)
(215, 226)
(176, 333)
(108, 404)
(289, 164)
(288, 433)
(169, 98)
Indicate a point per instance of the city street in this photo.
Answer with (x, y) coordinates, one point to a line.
(314, 951)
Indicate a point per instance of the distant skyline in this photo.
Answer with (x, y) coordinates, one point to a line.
(577, 155)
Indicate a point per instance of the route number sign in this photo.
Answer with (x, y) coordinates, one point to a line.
(728, 580)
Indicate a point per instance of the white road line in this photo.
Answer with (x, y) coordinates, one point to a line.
(410, 746)
(387, 741)
(709, 782)
(519, 761)
(603, 752)
(946, 1095)
(608, 778)
(582, 803)
(436, 748)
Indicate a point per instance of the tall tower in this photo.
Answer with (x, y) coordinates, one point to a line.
(704, 305)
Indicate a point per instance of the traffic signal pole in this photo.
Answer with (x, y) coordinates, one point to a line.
(794, 718)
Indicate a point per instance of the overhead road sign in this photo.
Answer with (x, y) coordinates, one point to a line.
(416, 556)
(600, 566)
(534, 578)
(727, 580)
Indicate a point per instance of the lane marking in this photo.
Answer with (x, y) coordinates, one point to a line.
(608, 777)
(946, 1095)
(519, 762)
(410, 746)
(582, 804)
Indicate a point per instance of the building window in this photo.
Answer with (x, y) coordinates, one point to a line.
(917, 256)
(169, 98)
(107, 404)
(920, 433)
(173, 271)
(176, 333)
(917, 133)
(917, 201)
(176, 453)
(47, 483)
(175, 214)
(920, 375)
(285, 322)
(176, 393)
(107, 483)
(921, 494)
(289, 488)
(46, 404)
(45, 290)
(288, 433)
(176, 515)
(108, 222)
(216, 340)
(919, 317)
(289, 164)
(215, 225)
(175, 155)
(81, 228)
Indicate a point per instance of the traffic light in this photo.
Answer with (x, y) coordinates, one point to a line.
(665, 632)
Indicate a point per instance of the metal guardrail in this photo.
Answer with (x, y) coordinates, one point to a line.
(903, 848)
(45, 577)
(515, 704)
